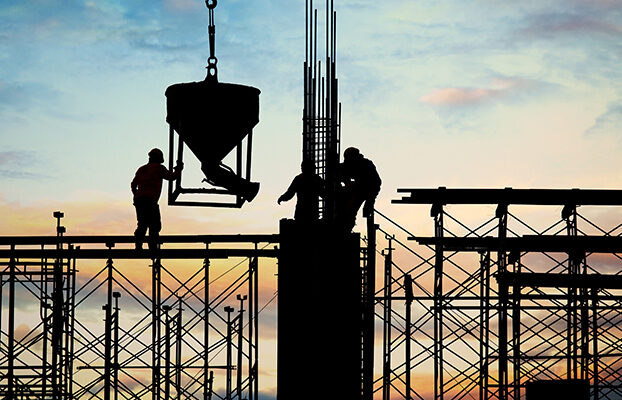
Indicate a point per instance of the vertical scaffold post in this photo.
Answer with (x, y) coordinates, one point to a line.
(502, 217)
(368, 311)
(569, 214)
(484, 323)
(408, 294)
(155, 328)
(167, 351)
(229, 346)
(108, 332)
(516, 333)
(437, 213)
(253, 327)
(207, 393)
(585, 323)
(71, 306)
(595, 370)
(115, 357)
(386, 332)
(57, 314)
(11, 334)
(178, 343)
(240, 352)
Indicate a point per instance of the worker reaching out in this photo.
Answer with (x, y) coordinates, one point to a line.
(146, 187)
(308, 187)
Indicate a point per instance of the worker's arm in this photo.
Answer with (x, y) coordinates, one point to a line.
(171, 176)
(134, 184)
(289, 194)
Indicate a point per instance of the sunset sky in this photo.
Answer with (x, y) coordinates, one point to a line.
(482, 93)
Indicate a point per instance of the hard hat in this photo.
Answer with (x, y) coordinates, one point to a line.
(351, 153)
(156, 155)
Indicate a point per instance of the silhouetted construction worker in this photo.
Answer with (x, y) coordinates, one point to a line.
(360, 184)
(146, 187)
(308, 187)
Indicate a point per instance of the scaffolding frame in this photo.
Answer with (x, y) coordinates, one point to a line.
(491, 303)
(169, 344)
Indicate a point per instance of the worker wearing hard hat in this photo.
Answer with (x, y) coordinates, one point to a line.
(308, 188)
(146, 187)
(360, 184)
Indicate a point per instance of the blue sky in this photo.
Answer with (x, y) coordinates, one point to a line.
(477, 94)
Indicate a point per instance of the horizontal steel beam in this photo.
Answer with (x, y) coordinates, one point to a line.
(113, 253)
(540, 280)
(116, 239)
(508, 196)
(528, 243)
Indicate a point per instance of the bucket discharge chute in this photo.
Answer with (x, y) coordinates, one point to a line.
(213, 119)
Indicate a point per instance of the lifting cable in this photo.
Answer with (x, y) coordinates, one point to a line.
(212, 71)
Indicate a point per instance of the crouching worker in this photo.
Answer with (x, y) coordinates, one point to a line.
(146, 187)
(360, 184)
(308, 187)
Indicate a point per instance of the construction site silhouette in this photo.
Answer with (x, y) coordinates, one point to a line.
(489, 305)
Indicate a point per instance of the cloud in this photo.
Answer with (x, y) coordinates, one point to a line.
(16, 164)
(465, 96)
(21, 96)
(550, 24)
(609, 122)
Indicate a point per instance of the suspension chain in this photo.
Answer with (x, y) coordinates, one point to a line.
(212, 70)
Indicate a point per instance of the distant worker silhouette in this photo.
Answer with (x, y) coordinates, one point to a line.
(360, 184)
(146, 187)
(308, 187)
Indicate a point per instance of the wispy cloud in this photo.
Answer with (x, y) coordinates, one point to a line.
(550, 24)
(17, 164)
(465, 96)
(23, 95)
(609, 122)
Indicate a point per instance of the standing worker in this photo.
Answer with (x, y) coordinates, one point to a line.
(360, 184)
(308, 187)
(146, 187)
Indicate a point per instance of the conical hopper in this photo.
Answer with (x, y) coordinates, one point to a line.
(212, 118)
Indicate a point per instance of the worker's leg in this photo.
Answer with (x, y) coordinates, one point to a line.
(155, 225)
(142, 218)
(368, 208)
